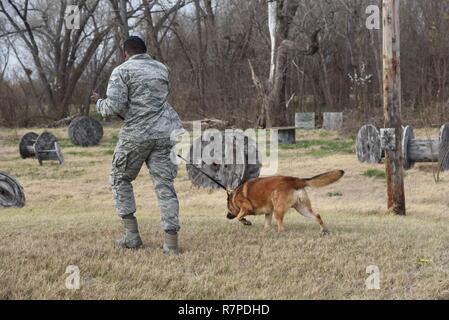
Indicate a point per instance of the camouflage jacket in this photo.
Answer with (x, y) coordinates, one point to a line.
(137, 92)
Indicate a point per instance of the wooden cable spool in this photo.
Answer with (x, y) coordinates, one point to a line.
(44, 147)
(85, 132)
(11, 192)
(245, 163)
(414, 150)
(26, 146)
(407, 136)
(444, 148)
(425, 150)
(369, 145)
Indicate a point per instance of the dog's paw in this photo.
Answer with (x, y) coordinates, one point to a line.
(247, 223)
(324, 233)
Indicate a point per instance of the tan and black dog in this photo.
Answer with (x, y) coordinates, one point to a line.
(275, 196)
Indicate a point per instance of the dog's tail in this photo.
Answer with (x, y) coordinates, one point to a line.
(324, 179)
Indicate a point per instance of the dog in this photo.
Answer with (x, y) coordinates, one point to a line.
(274, 196)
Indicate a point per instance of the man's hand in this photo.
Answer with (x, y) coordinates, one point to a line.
(94, 97)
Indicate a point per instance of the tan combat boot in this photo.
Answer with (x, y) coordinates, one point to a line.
(131, 239)
(171, 244)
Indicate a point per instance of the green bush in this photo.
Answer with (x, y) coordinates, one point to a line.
(334, 194)
(320, 148)
(375, 173)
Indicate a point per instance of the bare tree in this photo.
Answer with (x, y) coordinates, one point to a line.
(96, 71)
(60, 55)
(274, 105)
(160, 17)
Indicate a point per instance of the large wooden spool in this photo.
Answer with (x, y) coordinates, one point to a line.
(407, 136)
(425, 150)
(369, 145)
(11, 192)
(85, 132)
(43, 147)
(444, 148)
(237, 163)
(26, 145)
(413, 150)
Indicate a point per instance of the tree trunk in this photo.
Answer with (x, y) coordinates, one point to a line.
(121, 25)
(325, 85)
(376, 52)
(277, 102)
(277, 111)
(152, 34)
(211, 28)
(272, 22)
(201, 58)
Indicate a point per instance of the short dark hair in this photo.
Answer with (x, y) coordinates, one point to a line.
(134, 45)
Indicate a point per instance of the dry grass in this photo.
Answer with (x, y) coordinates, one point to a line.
(69, 220)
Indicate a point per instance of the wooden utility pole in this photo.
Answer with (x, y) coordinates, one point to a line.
(392, 106)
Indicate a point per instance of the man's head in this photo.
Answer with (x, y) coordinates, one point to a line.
(134, 45)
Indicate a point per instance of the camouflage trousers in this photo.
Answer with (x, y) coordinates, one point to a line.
(129, 157)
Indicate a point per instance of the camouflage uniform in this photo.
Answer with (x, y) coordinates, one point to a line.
(137, 92)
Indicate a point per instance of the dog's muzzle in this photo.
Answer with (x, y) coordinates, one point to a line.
(230, 216)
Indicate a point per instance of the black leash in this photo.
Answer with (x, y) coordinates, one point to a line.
(214, 180)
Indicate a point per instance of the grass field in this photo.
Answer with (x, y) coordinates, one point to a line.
(69, 219)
